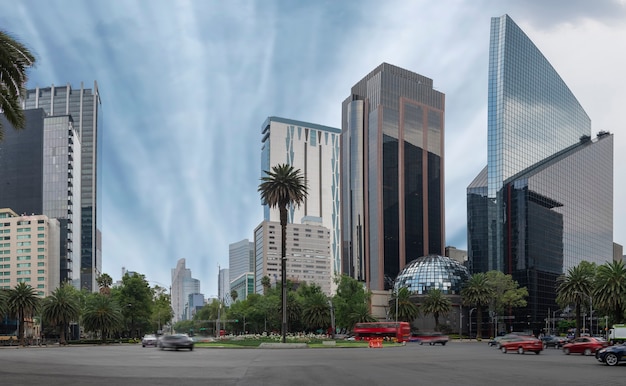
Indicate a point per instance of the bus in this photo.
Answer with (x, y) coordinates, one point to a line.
(398, 331)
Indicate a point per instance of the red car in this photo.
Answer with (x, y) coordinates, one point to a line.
(521, 344)
(585, 345)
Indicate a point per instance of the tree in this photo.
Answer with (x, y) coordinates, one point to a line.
(22, 303)
(609, 292)
(135, 297)
(234, 295)
(351, 302)
(506, 293)
(266, 283)
(316, 312)
(104, 281)
(407, 310)
(162, 312)
(360, 314)
(436, 303)
(61, 308)
(15, 58)
(102, 314)
(573, 288)
(477, 292)
(281, 188)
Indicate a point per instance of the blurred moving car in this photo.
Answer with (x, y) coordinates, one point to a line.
(585, 345)
(611, 355)
(503, 338)
(432, 338)
(554, 341)
(149, 340)
(176, 341)
(521, 344)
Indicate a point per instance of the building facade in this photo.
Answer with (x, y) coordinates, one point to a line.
(314, 149)
(223, 285)
(240, 259)
(29, 251)
(308, 254)
(82, 105)
(243, 285)
(392, 173)
(39, 169)
(544, 202)
(183, 285)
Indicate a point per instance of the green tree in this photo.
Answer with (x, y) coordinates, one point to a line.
(360, 314)
(506, 293)
(3, 301)
(234, 295)
(407, 310)
(573, 288)
(15, 58)
(61, 308)
(349, 299)
(476, 292)
(104, 281)
(281, 188)
(609, 293)
(135, 298)
(22, 303)
(266, 283)
(435, 304)
(316, 311)
(102, 315)
(162, 312)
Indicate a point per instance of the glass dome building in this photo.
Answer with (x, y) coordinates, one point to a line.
(432, 272)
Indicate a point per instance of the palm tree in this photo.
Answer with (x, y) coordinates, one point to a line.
(102, 314)
(3, 301)
(574, 288)
(360, 314)
(281, 188)
(407, 310)
(14, 59)
(610, 289)
(436, 303)
(316, 311)
(477, 292)
(61, 308)
(234, 295)
(22, 303)
(104, 282)
(266, 283)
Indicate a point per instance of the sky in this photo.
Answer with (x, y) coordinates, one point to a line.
(186, 86)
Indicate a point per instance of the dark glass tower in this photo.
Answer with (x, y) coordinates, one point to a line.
(83, 106)
(545, 200)
(392, 174)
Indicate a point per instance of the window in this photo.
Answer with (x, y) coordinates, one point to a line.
(41, 249)
(41, 257)
(23, 279)
(24, 272)
(41, 242)
(41, 264)
(41, 271)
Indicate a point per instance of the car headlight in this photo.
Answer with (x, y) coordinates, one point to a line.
(603, 350)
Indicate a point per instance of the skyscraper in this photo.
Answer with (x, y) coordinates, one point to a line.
(314, 149)
(83, 106)
(545, 200)
(392, 173)
(183, 285)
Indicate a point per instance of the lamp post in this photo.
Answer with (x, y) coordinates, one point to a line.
(553, 320)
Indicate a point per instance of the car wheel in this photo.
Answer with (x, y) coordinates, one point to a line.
(611, 359)
(503, 349)
(520, 350)
(537, 352)
(143, 345)
(443, 343)
(587, 352)
(431, 343)
(566, 351)
(191, 348)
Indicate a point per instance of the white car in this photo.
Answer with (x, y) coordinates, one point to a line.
(149, 340)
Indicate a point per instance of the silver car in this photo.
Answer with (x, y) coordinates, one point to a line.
(175, 341)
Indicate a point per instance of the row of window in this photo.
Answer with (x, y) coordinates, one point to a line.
(22, 279)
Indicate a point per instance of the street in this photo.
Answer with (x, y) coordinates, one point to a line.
(458, 363)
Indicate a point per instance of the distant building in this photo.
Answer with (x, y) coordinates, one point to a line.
(544, 202)
(241, 265)
(223, 286)
(308, 253)
(243, 286)
(457, 254)
(195, 302)
(29, 252)
(183, 285)
(314, 149)
(392, 174)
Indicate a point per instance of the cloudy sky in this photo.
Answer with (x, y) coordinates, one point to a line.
(186, 85)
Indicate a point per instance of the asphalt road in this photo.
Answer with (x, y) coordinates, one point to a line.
(457, 363)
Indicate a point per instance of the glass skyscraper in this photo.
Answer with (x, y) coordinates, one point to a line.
(545, 200)
(392, 174)
(83, 106)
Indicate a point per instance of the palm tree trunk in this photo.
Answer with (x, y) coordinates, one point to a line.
(62, 334)
(283, 265)
(577, 334)
(20, 329)
(479, 323)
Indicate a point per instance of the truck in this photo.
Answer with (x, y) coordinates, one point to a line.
(617, 333)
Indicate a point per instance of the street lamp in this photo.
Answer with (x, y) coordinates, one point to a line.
(553, 320)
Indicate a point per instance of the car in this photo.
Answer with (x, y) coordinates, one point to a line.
(502, 338)
(431, 338)
(585, 345)
(611, 355)
(149, 340)
(176, 341)
(554, 341)
(521, 344)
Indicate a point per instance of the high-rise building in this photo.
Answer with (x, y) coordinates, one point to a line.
(308, 253)
(223, 286)
(39, 169)
(29, 251)
(392, 173)
(82, 105)
(544, 202)
(314, 149)
(240, 258)
(183, 285)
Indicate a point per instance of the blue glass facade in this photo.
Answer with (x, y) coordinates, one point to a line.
(545, 200)
(432, 272)
(392, 174)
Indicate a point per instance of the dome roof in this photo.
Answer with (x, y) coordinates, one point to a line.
(432, 272)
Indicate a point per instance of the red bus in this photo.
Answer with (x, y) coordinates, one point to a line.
(400, 331)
